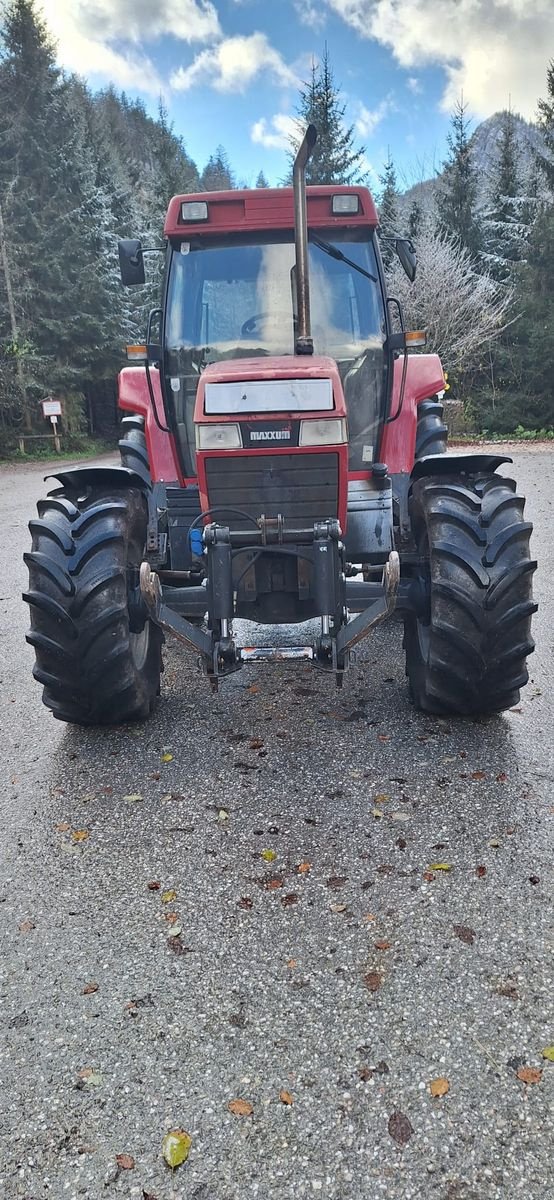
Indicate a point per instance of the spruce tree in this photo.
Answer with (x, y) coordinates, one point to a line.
(546, 125)
(415, 219)
(457, 194)
(261, 181)
(335, 158)
(217, 175)
(506, 219)
(388, 209)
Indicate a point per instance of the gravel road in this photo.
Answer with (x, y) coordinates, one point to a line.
(342, 973)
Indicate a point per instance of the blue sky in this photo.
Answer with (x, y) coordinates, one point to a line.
(229, 70)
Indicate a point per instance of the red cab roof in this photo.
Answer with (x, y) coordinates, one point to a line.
(267, 209)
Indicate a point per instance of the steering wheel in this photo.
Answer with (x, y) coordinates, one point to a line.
(248, 326)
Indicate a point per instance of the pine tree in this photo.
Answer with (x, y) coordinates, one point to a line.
(335, 158)
(458, 191)
(388, 209)
(261, 181)
(217, 175)
(546, 124)
(415, 219)
(507, 218)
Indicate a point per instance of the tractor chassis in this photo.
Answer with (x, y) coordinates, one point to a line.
(322, 547)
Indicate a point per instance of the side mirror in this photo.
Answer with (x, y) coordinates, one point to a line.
(407, 255)
(131, 261)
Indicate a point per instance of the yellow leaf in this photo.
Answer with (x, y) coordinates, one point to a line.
(133, 798)
(222, 815)
(169, 896)
(382, 798)
(548, 1053)
(240, 1108)
(376, 812)
(440, 867)
(167, 758)
(176, 1146)
(439, 1087)
(80, 835)
(269, 855)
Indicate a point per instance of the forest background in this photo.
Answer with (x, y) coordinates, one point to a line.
(79, 170)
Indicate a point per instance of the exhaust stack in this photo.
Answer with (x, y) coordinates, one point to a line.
(304, 341)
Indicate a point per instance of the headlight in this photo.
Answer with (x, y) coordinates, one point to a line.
(194, 210)
(218, 437)
(327, 432)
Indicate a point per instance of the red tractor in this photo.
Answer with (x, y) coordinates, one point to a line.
(284, 460)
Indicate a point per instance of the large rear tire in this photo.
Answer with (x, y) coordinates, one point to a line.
(431, 433)
(83, 571)
(466, 650)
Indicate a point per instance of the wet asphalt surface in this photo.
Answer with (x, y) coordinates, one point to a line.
(344, 971)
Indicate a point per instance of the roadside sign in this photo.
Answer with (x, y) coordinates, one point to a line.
(51, 408)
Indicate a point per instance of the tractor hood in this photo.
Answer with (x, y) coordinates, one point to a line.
(291, 385)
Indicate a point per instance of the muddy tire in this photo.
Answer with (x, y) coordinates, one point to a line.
(431, 433)
(96, 663)
(132, 447)
(466, 651)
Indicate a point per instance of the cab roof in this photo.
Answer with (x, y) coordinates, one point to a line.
(266, 209)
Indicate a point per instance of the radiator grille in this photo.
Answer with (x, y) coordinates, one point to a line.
(303, 488)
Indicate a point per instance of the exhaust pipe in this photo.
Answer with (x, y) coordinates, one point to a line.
(304, 341)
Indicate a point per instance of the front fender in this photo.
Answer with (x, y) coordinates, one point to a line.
(102, 477)
(457, 464)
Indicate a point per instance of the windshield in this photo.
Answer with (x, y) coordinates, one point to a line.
(235, 300)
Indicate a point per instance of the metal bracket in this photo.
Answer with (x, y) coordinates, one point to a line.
(359, 628)
(151, 592)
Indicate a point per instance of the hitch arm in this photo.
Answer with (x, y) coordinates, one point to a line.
(359, 628)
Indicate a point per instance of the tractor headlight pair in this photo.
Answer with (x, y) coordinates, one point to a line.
(326, 431)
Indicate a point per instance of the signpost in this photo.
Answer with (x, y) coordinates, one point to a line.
(53, 409)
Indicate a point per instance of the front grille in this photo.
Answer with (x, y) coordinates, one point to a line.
(302, 488)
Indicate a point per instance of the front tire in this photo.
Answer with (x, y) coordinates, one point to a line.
(466, 648)
(99, 664)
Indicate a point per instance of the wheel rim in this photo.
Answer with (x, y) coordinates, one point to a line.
(139, 644)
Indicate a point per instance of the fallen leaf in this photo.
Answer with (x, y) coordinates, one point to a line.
(480, 871)
(494, 842)
(62, 827)
(169, 896)
(440, 867)
(377, 813)
(439, 1087)
(534, 879)
(125, 1162)
(176, 1146)
(176, 930)
(338, 908)
(373, 981)
(271, 884)
(548, 1053)
(502, 777)
(222, 815)
(253, 689)
(400, 1128)
(290, 898)
(336, 882)
(80, 835)
(478, 775)
(384, 737)
(401, 843)
(93, 1079)
(167, 757)
(85, 1072)
(465, 934)
(381, 798)
(428, 876)
(529, 1074)
(369, 917)
(154, 885)
(240, 1108)
(246, 902)
(285, 1097)
(89, 988)
(133, 798)
(382, 945)
(148, 1195)
(256, 744)
(26, 926)
(269, 855)
(508, 990)
(292, 963)
(400, 816)
(303, 868)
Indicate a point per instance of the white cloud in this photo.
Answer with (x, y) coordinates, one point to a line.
(232, 65)
(275, 134)
(310, 14)
(489, 49)
(103, 37)
(414, 85)
(368, 119)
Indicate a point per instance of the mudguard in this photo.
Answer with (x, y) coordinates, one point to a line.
(454, 464)
(102, 476)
